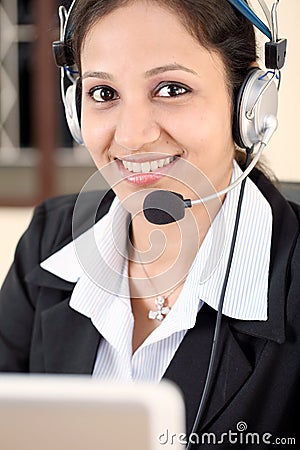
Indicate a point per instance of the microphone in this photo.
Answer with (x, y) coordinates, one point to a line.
(162, 207)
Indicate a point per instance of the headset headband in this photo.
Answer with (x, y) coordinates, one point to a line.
(275, 50)
(247, 12)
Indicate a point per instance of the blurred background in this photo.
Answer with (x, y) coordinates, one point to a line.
(38, 158)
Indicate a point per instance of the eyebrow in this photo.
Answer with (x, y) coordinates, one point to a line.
(148, 73)
(168, 67)
(103, 75)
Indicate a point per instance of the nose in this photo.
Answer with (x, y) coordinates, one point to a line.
(136, 126)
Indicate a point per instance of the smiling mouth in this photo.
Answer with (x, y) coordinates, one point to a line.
(147, 166)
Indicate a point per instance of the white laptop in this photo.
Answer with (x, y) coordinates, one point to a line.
(45, 412)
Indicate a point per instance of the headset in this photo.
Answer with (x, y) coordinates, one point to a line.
(256, 100)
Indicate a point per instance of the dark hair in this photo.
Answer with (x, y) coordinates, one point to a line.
(214, 23)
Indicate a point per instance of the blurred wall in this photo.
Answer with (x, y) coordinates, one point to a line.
(13, 221)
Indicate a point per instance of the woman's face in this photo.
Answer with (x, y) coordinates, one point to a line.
(154, 98)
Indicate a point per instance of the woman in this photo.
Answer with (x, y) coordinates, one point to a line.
(158, 82)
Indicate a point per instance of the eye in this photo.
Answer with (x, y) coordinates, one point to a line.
(102, 94)
(171, 90)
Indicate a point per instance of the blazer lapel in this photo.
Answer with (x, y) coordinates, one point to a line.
(69, 339)
(188, 369)
(284, 237)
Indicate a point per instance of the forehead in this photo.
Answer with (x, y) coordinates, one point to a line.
(136, 20)
(143, 32)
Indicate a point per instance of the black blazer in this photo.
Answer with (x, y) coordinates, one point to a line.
(258, 363)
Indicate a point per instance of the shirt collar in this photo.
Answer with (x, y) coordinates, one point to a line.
(247, 289)
(76, 258)
(95, 261)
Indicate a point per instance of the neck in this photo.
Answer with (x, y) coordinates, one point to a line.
(165, 252)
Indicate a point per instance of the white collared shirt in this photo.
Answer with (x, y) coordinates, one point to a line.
(97, 262)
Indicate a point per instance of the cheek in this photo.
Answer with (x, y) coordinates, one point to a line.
(201, 130)
(212, 128)
(89, 128)
(96, 133)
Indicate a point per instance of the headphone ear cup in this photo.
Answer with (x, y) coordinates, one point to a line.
(71, 112)
(248, 129)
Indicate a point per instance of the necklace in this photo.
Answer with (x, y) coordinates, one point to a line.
(161, 308)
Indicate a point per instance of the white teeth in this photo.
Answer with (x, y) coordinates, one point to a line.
(154, 165)
(135, 167)
(147, 166)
